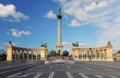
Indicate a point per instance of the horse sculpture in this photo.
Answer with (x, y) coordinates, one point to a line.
(75, 44)
(44, 45)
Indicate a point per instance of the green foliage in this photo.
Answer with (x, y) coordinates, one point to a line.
(2, 55)
(52, 53)
(65, 53)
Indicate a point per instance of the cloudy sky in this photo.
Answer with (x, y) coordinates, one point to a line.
(92, 23)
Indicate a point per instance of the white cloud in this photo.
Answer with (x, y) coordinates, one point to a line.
(9, 10)
(79, 9)
(67, 43)
(1, 47)
(50, 15)
(94, 6)
(74, 23)
(17, 33)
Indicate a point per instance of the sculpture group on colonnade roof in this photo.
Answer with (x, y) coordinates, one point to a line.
(75, 44)
(44, 45)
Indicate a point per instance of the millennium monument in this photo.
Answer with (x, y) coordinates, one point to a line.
(59, 44)
(79, 54)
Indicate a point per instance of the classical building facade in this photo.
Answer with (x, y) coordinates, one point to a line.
(116, 56)
(18, 53)
(93, 54)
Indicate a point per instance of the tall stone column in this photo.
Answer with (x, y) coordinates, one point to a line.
(59, 44)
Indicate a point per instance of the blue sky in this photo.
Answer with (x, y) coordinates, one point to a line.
(92, 23)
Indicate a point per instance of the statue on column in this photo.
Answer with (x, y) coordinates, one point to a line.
(59, 11)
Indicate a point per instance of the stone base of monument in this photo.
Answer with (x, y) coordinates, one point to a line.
(58, 57)
(59, 60)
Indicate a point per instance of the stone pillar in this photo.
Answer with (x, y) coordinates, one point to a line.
(19, 54)
(32, 55)
(100, 55)
(105, 54)
(87, 55)
(43, 52)
(9, 52)
(27, 55)
(36, 55)
(15, 53)
(59, 44)
(75, 53)
(95, 55)
(23, 54)
(82, 52)
(109, 51)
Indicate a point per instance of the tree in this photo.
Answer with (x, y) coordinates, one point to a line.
(65, 53)
(52, 53)
(3, 55)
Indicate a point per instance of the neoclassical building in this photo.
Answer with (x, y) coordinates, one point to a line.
(116, 56)
(93, 54)
(18, 53)
(79, 54)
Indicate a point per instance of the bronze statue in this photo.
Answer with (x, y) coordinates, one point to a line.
(44, 45)
(75, 44)
(59, 11)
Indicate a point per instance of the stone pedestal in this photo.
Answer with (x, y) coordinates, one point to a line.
(9, 52)
(43, 52)
(75, 52)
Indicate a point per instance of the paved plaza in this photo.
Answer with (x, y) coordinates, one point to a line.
(78, 70)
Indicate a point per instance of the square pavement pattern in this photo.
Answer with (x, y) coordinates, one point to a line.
(78, 70)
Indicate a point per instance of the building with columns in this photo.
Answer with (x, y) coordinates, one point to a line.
(59, 45)
(18, 53)
(93, 54)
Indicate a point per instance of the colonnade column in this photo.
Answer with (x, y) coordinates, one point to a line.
(27, 56)
(36, 55)
(23, 54)
(87, 55)
(82, 54)
(19, 54)
(32, 55)
(15, 54)
(95, 55)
